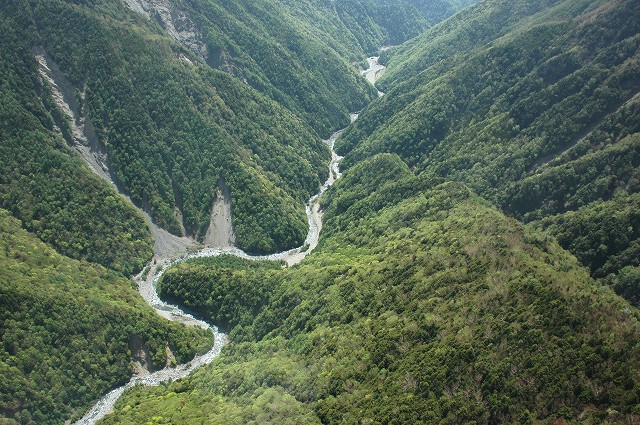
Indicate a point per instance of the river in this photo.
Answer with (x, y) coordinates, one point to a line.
(375, 70)
(147, 284)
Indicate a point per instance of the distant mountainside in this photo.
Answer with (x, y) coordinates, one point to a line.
(374, 23)
(269, 49)
(534, 105)
(422, 304)
(296, 52)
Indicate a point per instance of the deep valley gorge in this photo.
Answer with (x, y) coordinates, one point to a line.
(319, 212)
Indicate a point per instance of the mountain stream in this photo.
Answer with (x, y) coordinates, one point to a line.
(166, 257)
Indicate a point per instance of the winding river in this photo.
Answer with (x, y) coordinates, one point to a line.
(147, 284)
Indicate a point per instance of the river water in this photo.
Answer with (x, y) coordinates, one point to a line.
(147, 285)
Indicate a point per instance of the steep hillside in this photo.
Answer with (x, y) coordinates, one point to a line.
(429, 308)
(296, 52)
(69, 330)
(603, 235)
(44, 185)
(173, 132)
(165, 93)
(269, 49)
(375, 23)
(533, 104)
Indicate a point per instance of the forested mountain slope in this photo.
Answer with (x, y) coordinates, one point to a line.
(534, 105)
(172, 130)
(143, 75)
(372, 23)
(69, 329)
(268, 48)
(172, 100)
(296, 52)
(422, 304)
(42, 182)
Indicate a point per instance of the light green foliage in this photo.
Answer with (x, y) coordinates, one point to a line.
(433, 308)
(534, 105)
(226, 290)
(66, 330)
(359, 182)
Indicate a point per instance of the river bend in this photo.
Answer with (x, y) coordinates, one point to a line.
(147, 286)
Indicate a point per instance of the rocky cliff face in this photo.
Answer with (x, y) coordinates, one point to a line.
(175, 21)
(184, 28)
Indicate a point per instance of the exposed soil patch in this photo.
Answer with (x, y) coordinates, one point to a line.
(220, 231)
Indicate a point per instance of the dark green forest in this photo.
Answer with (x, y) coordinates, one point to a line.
(478, 262)
(534, 105)
(44, 185)
(173, 130)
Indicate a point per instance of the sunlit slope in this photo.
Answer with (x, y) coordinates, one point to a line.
(422, 303)
(69, 330)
